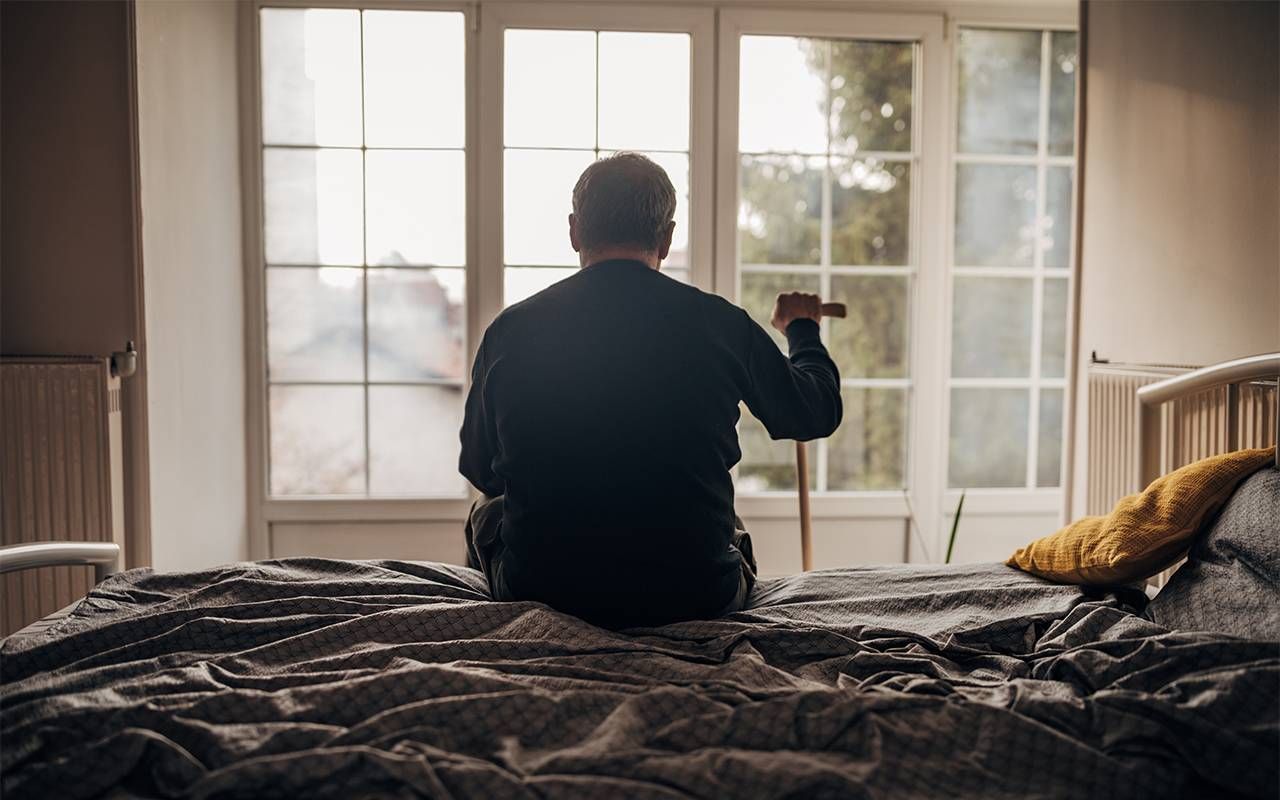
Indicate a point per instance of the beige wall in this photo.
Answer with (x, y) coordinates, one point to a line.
(190, 167)
(67, 254)
(1180, 237)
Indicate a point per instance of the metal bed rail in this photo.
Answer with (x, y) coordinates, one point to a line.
(104, 557)
(1229, 373)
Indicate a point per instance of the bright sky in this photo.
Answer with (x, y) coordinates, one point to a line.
(779, 98)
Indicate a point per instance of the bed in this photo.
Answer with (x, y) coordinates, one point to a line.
(324, 678)
(318, 678)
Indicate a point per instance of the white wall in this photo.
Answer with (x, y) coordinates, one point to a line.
(1180, 239)
(190, 168)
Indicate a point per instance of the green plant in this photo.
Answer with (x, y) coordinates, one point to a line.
(955, 526)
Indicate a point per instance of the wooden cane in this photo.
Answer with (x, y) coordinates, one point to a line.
(839, 311)
(806, 535)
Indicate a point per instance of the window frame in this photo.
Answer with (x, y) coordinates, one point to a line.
(699, 23)
(928, 178)
(1028, 498)
(713, 27)
(263, 508)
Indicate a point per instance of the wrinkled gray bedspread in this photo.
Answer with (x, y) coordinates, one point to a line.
(317, 678)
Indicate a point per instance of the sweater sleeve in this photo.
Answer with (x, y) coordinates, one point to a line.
(479, 432)
(796, 396)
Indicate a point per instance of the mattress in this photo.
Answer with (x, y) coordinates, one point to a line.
(323, 678)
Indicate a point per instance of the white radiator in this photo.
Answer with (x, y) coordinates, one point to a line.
(61, 473)
(1191, 428)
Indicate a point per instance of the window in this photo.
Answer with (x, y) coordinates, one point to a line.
(825, 142)
(364, 245)
(571, 96)
(1014, 178)
(412, 176)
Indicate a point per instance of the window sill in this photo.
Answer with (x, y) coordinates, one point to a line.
(373, 509)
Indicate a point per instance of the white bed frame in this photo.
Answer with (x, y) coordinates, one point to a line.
(1230, 374)
(104, 557)
(1152, 397)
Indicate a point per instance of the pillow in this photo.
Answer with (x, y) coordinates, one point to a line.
(1145, 532)
(1231, 581)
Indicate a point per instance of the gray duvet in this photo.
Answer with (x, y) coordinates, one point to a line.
(315, 678)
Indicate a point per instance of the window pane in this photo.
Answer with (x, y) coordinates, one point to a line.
(872, 341)
(1056, 236)
(313, 206)
(999, 91)
(1053, 336)
(416, 324)
(417, 207)
(868, 450)
(988, 438)
(317, 440)
(761, 289)
(1049, 452)
(1062, 93)
(415, 79)
(413, 440)
(782, 96)
(991, 328)
(549, 89)
(314, 324)
(870, 212)
(519, 283)
(780, 213)
(537, 199)
(871, 86)
(310, 76)
(995, 215)
(768, 465)
(644, 91)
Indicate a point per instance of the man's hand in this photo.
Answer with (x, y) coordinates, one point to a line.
(791, 306)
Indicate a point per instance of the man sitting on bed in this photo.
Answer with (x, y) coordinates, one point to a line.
(600, 424)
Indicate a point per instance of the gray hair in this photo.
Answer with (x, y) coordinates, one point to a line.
(623, 199)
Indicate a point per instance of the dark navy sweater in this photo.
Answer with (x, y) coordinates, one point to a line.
(604, 410)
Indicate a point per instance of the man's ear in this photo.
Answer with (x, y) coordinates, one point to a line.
(573, 233)
(664, 240)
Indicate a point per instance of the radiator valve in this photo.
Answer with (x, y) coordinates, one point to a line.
(125, 363)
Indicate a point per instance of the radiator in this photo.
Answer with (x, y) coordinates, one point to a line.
(1191, 428)
(61, 473)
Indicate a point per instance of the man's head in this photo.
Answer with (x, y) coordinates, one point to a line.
(623, 207)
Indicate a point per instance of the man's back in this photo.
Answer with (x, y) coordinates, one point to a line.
(604, 409)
